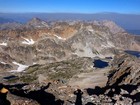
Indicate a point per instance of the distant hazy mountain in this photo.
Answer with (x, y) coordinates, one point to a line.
(5, 20)
(127, 21)
(136, 32)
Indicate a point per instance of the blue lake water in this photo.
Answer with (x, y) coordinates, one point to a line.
(100, 64)
(9, 77)
(134, 53)
(135, 32)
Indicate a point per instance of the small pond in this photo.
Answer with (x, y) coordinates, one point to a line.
(10, 77)
(100, 64)
(134, 53)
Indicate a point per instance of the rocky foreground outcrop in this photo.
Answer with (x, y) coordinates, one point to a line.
(125, 70)
(122, 87)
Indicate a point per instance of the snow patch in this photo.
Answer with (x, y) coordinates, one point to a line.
(60, 37)
(38, 26)
(28, 41)
(20, 67)
(109, 44)
(3, 44)
(89, 28)
(44, 23)
(34, 63)
(3, 63)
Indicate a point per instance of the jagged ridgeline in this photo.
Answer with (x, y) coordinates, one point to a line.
(56, 58)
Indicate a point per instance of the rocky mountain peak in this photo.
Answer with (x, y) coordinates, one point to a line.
(35, 19)
(114, 28)
(36, 22)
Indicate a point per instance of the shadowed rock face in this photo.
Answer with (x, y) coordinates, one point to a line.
(125, 70)
(123, 82)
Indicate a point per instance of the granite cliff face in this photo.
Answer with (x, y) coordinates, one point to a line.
(125, 70)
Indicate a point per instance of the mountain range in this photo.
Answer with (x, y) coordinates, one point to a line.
(61, 62)
(129, 22)
(40, 42)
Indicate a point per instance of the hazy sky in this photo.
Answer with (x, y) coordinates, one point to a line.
(71, 6)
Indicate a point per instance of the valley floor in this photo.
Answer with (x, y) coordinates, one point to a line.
(98, 77)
